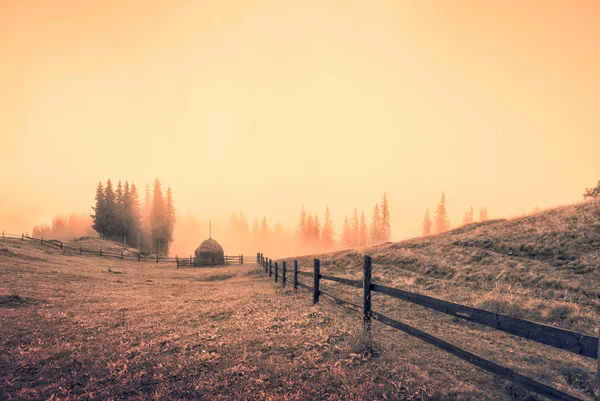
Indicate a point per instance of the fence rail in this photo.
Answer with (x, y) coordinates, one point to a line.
(567, 340)
(122, 255)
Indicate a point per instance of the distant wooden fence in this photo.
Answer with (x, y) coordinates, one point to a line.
(179, 262)
(567, 340)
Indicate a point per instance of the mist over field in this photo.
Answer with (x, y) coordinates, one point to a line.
(312, 200)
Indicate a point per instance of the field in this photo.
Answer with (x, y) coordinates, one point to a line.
(83, 327)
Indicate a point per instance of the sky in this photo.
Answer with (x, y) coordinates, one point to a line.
(267, 106)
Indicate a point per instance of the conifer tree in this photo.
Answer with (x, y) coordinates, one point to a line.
(135, 224)
(159, 220)
(328, 233)
(441, 217)
(427, 224)
(347, 234)
(363, 235)
(171, 218)
(110, 228)
(99, 216)
(468, 217)
(483, 214)
(255, 228)
(264, 230)
(375, 229)
(386, 228)
(146, 233)
(302, 227)
(355, 227)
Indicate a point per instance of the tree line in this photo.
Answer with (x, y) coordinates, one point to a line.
(65, 227)
(118, 215)
(441, 223)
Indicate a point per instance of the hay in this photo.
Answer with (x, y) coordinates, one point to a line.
(210, 253)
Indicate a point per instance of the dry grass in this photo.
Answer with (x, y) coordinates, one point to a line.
(544, 268)
(72, 329)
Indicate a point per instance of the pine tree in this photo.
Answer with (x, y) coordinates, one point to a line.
(302, 226)
(328, 233)
(110, 228)
(386, 228)
(316, 234)
(146, 233)
(468, 217)
(355, 226)
(347, 234)
(309, 230)
(264, 231)
(171, 218)
(99, 216)
(427, 224)
(158, 220)
(375, 229)
(255, 228)
(135, 218)
(363, 235)
(483, 214)
(441, 217)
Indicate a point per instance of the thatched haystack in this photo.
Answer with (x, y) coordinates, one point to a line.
(210, 253)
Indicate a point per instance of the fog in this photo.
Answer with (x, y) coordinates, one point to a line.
(269, 107)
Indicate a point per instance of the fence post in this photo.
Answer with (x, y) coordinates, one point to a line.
(22, 237)
(276, 271)
(270, 267)
(316, 277)
(121, 254)
(283, 272)
(100, 252)
(42, 241)
(295, 275)
(265, 266)
(241, 259)
(177, 261)
(190, 260)
(139, 256)
(598, 371)
(157, 258)
(80, 250)
(61, 245)
(258, 258)
(367, 294)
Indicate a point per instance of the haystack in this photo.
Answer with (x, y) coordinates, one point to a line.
(210, 253)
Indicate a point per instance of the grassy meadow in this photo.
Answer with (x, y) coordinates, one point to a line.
(88, 328)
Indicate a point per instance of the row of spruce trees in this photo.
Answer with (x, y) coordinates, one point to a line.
(119, 216)
(441, 223)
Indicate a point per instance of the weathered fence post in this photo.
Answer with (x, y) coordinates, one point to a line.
(295, 275)
(139, 256)
(22, 237)
(276, 271)
(157, 258)
(283, 270)
(61, 245)
(367, 294)
(100, 252)
(241, 259)
(270, 267)
(42, 241)
(316, 277)
(190, 260)
(258, 258)
(598, 371)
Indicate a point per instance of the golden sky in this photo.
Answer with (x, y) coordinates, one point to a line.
(266, 106)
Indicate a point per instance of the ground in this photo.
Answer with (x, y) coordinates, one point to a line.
(85, 327)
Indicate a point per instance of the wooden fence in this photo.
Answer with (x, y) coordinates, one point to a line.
(567, 340)
(59, 245)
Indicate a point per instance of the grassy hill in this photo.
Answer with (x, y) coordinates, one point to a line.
(544, 267)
